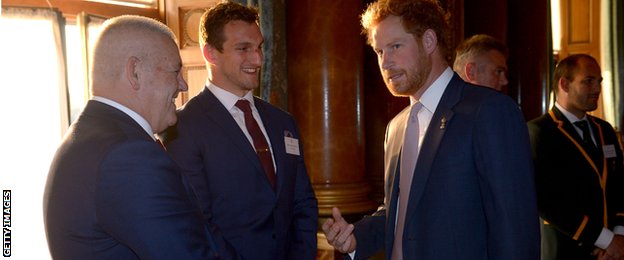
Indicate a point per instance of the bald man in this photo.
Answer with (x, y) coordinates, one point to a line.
(578, 169)
(112, 190)
(482, 60)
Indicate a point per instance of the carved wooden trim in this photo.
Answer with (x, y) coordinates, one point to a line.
(189, 26)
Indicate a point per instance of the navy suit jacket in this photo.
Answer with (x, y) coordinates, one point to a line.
(577, 196)
(113, 193)
(233, 191)
(473, 191)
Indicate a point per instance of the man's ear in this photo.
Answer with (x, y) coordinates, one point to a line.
(132, 72)
(563, 85)
(209, 54)
(429, 41)
(471, 71)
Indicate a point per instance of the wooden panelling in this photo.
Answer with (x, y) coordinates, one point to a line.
(189, 31)
(580, 31)
(183, 18)
(195, 77)
(529, 55)
(480, 20)
(579, 28)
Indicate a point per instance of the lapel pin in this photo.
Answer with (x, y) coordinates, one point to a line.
(443, 123)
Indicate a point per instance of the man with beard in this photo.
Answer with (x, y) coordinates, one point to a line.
(459, 178)
(578, 168)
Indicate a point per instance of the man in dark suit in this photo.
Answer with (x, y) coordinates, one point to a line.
(459, 179)
(241, 154)
(112, 190)
(482, 60)
(578, 167)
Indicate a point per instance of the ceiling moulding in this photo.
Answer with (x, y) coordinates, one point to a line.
(131, 3)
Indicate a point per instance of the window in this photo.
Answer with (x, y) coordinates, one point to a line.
(44, 71)
(35, 118)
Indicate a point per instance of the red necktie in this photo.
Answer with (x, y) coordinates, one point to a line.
(259, 141)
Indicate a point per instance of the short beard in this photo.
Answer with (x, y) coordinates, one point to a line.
(415, 80)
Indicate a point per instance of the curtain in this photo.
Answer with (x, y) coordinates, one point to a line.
(612, 61)
(81, 37)
(34, 116)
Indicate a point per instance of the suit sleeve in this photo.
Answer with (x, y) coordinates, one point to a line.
(370, 234)
(615, 192)
(183, 148)
(556, 190)
(305, 215)
(142, 203)
(505, 168)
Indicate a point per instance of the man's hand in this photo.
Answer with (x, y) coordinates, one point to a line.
(339, 233)
(615, 249)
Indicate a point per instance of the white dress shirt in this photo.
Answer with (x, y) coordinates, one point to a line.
(229, 102)
(134, 115)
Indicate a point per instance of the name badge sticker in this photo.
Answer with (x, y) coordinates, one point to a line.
(292, 145)
(608, 150)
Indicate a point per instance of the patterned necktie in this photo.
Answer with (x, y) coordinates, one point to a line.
(409, 155)
(588, 144)
(259, 141)
(587, 140)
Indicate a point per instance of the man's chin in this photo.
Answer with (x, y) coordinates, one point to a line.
(171, 121)
(398, 91)
(252, 86)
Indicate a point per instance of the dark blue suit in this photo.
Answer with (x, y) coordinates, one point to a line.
(233, 191)
(114, 193)
(473, 192)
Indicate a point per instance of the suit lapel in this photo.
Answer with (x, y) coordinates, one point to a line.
(435, 132)
(566, 125)
(394, 141)
(220, 117)
(569, 131)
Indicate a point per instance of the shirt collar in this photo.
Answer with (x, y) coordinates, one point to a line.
(571, 117)
(134, 115)
(227, 98)
(433, 94)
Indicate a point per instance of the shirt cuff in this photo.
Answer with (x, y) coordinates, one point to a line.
(619, 230)
(604, 239)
